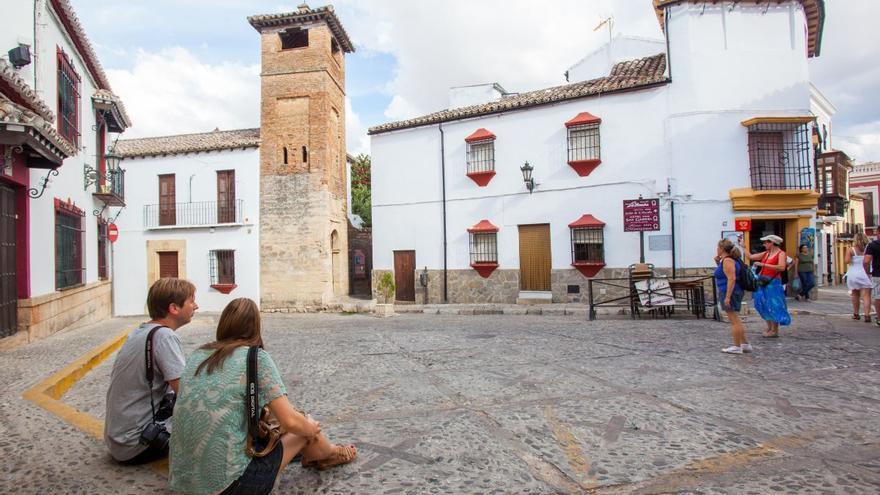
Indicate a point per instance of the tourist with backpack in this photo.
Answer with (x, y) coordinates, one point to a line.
(729, 278)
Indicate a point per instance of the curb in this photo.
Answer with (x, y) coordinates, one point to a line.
(48, 393)
(481, 311)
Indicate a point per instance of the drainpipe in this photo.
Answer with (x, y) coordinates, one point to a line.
(443, 183)
(672, 224)
(668, 55)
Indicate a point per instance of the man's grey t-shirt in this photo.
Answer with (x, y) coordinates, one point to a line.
(128, 399)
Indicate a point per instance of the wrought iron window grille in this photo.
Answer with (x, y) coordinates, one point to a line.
(69, 239)
(779, 156)
(222, 267)
(588, 245)
(583, 143)
(203, 213)
(484, 247)
(68, 99)
(481, 156)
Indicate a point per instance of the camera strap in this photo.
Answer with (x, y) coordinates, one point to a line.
(148, 361)
(253, 393)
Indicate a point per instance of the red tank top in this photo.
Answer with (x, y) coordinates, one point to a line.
(773, 261)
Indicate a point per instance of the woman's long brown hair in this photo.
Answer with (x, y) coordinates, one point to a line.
(239, 326)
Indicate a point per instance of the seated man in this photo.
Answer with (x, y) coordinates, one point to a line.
(171, 303)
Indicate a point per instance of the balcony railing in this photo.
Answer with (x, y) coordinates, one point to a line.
(199, 214)
(779, 156)
(849, 230)
(113, 192)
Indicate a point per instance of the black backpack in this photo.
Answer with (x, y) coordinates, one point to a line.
(748, 281)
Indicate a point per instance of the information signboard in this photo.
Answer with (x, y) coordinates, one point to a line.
(641, 215)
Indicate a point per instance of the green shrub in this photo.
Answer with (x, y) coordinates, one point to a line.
(386, 286)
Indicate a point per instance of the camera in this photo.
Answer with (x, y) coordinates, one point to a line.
(166, 407)
(155, 436)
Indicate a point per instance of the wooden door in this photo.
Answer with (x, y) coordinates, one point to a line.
(167, 264)
(534, 257)
(225, 196)
(404, 275)
(167, 200)
(8, 294)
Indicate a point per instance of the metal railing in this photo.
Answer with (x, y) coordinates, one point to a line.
(779, 156)
(849, 230)
(689, 293)
(203, 213)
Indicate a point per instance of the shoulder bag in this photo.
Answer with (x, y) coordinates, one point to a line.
(261, 423)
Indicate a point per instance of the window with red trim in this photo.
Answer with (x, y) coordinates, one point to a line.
(584, 150)
(102, 248)
(223, 270)
(69, 238)
(588, 245)
(68, 99)
(484, 247)
(481, 156)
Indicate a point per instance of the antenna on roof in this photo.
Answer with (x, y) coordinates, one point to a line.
(607, 21)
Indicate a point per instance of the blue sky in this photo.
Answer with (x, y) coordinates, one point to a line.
(193, 65)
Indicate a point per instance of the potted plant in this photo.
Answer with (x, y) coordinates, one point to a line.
(386, 289)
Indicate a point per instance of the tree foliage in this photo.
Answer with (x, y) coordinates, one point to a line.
(361, 201)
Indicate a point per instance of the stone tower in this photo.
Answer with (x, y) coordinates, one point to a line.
(303, 210)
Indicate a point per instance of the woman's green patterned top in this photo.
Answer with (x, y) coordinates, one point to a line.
(210, 428)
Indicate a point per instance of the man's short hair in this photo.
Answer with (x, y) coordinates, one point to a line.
(168, 291)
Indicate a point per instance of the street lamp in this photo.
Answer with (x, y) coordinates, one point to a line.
(526, 170)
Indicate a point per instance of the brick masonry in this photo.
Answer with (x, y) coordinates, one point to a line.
(303, 220)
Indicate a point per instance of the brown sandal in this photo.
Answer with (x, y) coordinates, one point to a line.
(342, 455)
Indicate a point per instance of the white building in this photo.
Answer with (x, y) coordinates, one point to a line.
(194, 214)
(57, 187)
(715, 129)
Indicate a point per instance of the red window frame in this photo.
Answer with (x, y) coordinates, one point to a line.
(68, 99)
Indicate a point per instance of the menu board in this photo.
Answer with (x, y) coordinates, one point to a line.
(640, 215)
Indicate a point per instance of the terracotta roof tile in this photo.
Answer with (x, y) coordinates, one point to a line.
(188, 143)
(23, 92)
(304, 15)
(13, 113)
(628, 75)
(76, 31)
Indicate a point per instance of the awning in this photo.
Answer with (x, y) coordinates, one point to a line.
(112, 110)
(797, 120)
(41, 144)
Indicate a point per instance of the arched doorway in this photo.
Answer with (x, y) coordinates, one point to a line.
(336, 261)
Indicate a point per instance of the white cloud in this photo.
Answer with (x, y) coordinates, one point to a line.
(356, 139)
(520, 44)
(172, 92)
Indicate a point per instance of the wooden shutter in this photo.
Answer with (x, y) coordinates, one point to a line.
(167, 200)
(168, 264)
(534, 257)
(225, 196)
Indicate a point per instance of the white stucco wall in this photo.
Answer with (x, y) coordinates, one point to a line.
(199, 169)
(462, 96)
(684, 138)
(599, 62)
(18, 26)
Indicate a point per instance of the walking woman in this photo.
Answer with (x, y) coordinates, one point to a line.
(729, 261)
(769, 299)
(209, 448)
(805, 267)
(857, 280)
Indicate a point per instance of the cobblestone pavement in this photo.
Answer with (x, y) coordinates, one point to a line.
(514, 404)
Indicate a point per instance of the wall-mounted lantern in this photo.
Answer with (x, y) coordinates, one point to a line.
(526, 170)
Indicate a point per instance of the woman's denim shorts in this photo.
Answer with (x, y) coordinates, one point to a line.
(736, 300)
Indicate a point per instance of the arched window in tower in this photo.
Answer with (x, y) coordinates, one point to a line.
(284, 154)
(305, 153)
(294, 38)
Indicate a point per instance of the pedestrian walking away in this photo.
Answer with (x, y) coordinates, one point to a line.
(805, 267)
(857, 279)
(769, 299)
(727, 280)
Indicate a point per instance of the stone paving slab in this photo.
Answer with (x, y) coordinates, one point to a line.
(513, 404)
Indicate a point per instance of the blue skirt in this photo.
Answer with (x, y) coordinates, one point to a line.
(769, 301)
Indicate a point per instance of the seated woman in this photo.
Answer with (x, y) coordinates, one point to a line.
(208, 447)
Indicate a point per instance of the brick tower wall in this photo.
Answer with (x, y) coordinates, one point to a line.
(303, 201)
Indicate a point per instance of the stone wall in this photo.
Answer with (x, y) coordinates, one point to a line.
(303, 198)
(502, 287)
(40, 317)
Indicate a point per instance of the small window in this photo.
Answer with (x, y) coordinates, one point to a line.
(69, 238)
(587, 245)
(583, 143)
(68, 99)
(481, 156)
(284, 154)
(102, 248)
(484, 247)
(294, 38)
(223, 267)
(305, 153)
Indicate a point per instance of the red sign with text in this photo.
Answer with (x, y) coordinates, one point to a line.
(112, 232)
(743, 224)
(640, 215)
